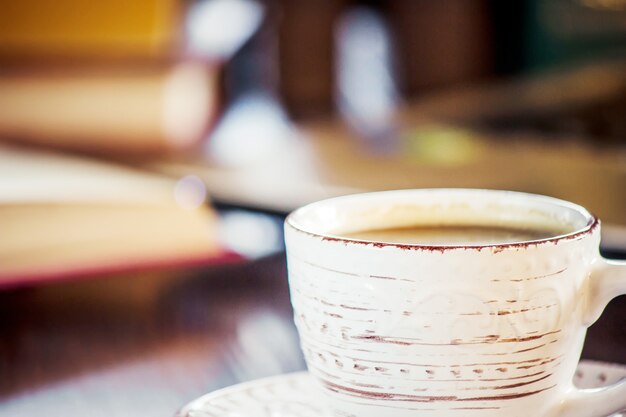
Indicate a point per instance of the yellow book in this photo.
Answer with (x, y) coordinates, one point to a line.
(76, 28)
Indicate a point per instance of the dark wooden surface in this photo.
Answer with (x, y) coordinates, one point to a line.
(132, 345)
(144, 345)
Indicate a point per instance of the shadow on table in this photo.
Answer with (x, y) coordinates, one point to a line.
(193, 321)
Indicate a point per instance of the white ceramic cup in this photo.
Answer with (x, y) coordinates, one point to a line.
(486, 330)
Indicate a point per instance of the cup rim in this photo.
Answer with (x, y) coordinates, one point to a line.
(592, 221)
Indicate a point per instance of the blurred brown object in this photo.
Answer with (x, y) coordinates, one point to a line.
(436, 44)
(441, 43)
(586, 103)
(138, 344)
(112, 108)
(306, 55)
(74, 28)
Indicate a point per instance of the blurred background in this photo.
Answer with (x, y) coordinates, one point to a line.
(149, 152)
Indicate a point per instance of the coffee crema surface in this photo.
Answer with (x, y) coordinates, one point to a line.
(453, 235)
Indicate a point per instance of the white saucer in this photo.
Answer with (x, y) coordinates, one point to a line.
(295, 395)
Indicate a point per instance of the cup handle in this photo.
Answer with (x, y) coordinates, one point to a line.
(607, 281)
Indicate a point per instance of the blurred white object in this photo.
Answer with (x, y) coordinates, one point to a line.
(38, 177)
(253, 128)
(190, 192)
(366, 90)
(250, 234)
(217, 28)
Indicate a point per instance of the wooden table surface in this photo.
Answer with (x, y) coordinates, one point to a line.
(144, 345)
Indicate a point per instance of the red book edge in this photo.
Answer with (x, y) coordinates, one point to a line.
(9, 281)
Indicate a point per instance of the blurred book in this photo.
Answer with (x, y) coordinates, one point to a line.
(73, 28)
(116, 76)
(110, 108)
(63, 216)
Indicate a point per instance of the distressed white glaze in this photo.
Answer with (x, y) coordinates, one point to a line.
(297, 395)
(449, 331)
